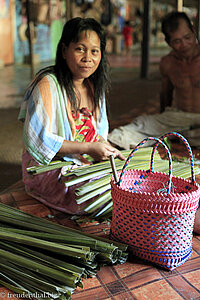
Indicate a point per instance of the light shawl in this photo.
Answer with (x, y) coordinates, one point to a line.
(48, 120)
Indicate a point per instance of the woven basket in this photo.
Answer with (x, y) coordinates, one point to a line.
(154, 212)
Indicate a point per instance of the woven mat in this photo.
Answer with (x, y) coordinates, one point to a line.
(133, 280)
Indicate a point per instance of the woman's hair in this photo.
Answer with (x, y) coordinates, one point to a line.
(170, 23)
(100, 78)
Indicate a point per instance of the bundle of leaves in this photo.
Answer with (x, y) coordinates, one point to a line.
(41, 259)
(95, 189)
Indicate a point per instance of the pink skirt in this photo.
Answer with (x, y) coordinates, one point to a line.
(49, 189)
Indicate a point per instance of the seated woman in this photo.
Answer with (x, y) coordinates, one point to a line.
(64, 113)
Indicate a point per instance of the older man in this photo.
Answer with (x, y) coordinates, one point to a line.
(180, 68)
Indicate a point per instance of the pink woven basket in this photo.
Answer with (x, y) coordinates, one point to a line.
(154, 212)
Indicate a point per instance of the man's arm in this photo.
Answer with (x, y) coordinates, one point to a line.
(166, 93)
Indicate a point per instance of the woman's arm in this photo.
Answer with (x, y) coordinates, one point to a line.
(100, 150)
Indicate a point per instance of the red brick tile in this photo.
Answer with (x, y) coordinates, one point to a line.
(7, 199)
(39, 210)
(129, 268)
(123, 296)
(183, 287)
(159, 290)
(141, 278)
(20, 195)
(92, 294)
(194, 254)
(194, 279)
(107, 275)
(116, 288)
(196, 245)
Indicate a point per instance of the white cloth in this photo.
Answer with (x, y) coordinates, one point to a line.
(128, 136)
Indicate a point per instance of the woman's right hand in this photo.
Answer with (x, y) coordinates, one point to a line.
(99, 151)
(102, 151)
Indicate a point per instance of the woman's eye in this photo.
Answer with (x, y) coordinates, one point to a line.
(80, 49)
(95, 51)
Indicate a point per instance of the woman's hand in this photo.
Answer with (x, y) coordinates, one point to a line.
(102, 151)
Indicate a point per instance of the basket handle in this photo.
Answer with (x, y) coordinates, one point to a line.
(187, 146)
(152, 157)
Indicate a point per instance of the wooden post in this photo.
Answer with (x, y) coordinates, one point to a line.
(179, 5)
(30, 31)
(68, 10)
(146, 38)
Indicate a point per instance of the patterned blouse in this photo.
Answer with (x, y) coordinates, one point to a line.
(85, 126)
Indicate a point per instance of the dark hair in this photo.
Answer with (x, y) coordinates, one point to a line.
(127, 23)
(100, 78)
(170, 23)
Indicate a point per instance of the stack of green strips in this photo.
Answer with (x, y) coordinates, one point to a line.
(100, 208)
(43, 260)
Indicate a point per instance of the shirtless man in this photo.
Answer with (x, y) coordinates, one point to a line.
(180, 68)
(180, 89)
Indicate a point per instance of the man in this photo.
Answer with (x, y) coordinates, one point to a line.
(180, 91)
(180, 71)
(180, 68)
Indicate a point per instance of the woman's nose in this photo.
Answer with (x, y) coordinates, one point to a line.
(87, 55)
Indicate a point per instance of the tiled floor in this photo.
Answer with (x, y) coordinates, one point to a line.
(134, 279)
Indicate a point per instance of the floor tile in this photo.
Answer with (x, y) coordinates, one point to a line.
(194, 279)
(142, 277)
(159, 290)
(186, 288)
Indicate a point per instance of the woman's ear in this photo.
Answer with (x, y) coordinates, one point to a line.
(64, 48)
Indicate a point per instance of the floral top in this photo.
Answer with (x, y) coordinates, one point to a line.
(85, 126)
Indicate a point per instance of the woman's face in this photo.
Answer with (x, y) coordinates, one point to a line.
(84, 56)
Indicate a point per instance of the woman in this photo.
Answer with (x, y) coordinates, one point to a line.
(65, 112)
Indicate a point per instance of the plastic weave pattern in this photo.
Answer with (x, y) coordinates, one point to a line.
(154, 212)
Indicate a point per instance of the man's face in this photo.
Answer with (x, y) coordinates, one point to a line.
(183, 40)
